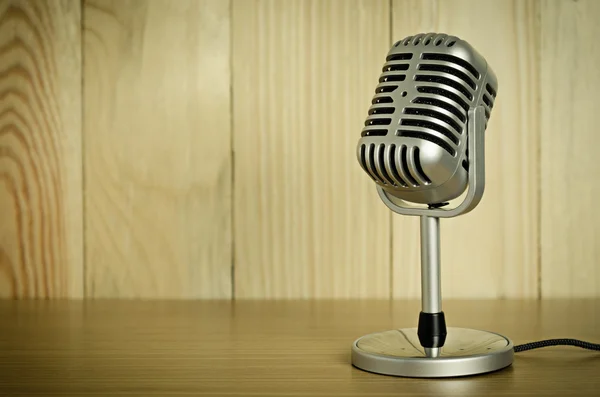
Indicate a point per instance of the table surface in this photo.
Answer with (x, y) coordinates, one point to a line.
(265, 348)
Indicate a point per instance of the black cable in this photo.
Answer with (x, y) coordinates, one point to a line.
(557, 342)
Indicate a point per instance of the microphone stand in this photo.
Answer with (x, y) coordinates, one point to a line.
(431, 351)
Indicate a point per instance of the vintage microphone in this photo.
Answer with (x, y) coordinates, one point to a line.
(423, 145)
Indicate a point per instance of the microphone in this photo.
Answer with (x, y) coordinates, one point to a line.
(423, 145)
(414, 142)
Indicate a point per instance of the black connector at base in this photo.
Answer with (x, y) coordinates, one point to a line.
(432, 329)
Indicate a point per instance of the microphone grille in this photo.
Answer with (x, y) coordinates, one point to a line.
(426, 88)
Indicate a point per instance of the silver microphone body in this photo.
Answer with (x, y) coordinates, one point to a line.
(414, 142)
(423, 144)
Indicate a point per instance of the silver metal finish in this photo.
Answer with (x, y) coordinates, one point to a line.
(414, 143)
(466, 352)
(431, 290)
(476, 144)
(432, 352)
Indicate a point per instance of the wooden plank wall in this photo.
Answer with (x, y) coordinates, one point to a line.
(307, 223)
(570, 243)
(205, 149)
(41, 245)
(157, 145)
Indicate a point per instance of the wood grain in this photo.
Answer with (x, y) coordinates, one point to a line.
(292, 348)
(41, 247)
(308, 222)
(492, 251)
(160, 189)
(569, 167)
(157, 149)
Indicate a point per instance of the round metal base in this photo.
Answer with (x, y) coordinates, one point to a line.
(465, 352)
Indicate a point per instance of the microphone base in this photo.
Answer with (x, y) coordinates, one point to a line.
(466, 352)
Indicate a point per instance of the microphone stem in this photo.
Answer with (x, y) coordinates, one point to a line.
(431, 290)
(432, 323)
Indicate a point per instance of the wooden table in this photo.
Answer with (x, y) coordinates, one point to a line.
(260, 348)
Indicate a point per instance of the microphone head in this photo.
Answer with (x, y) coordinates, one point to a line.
(414, 142)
